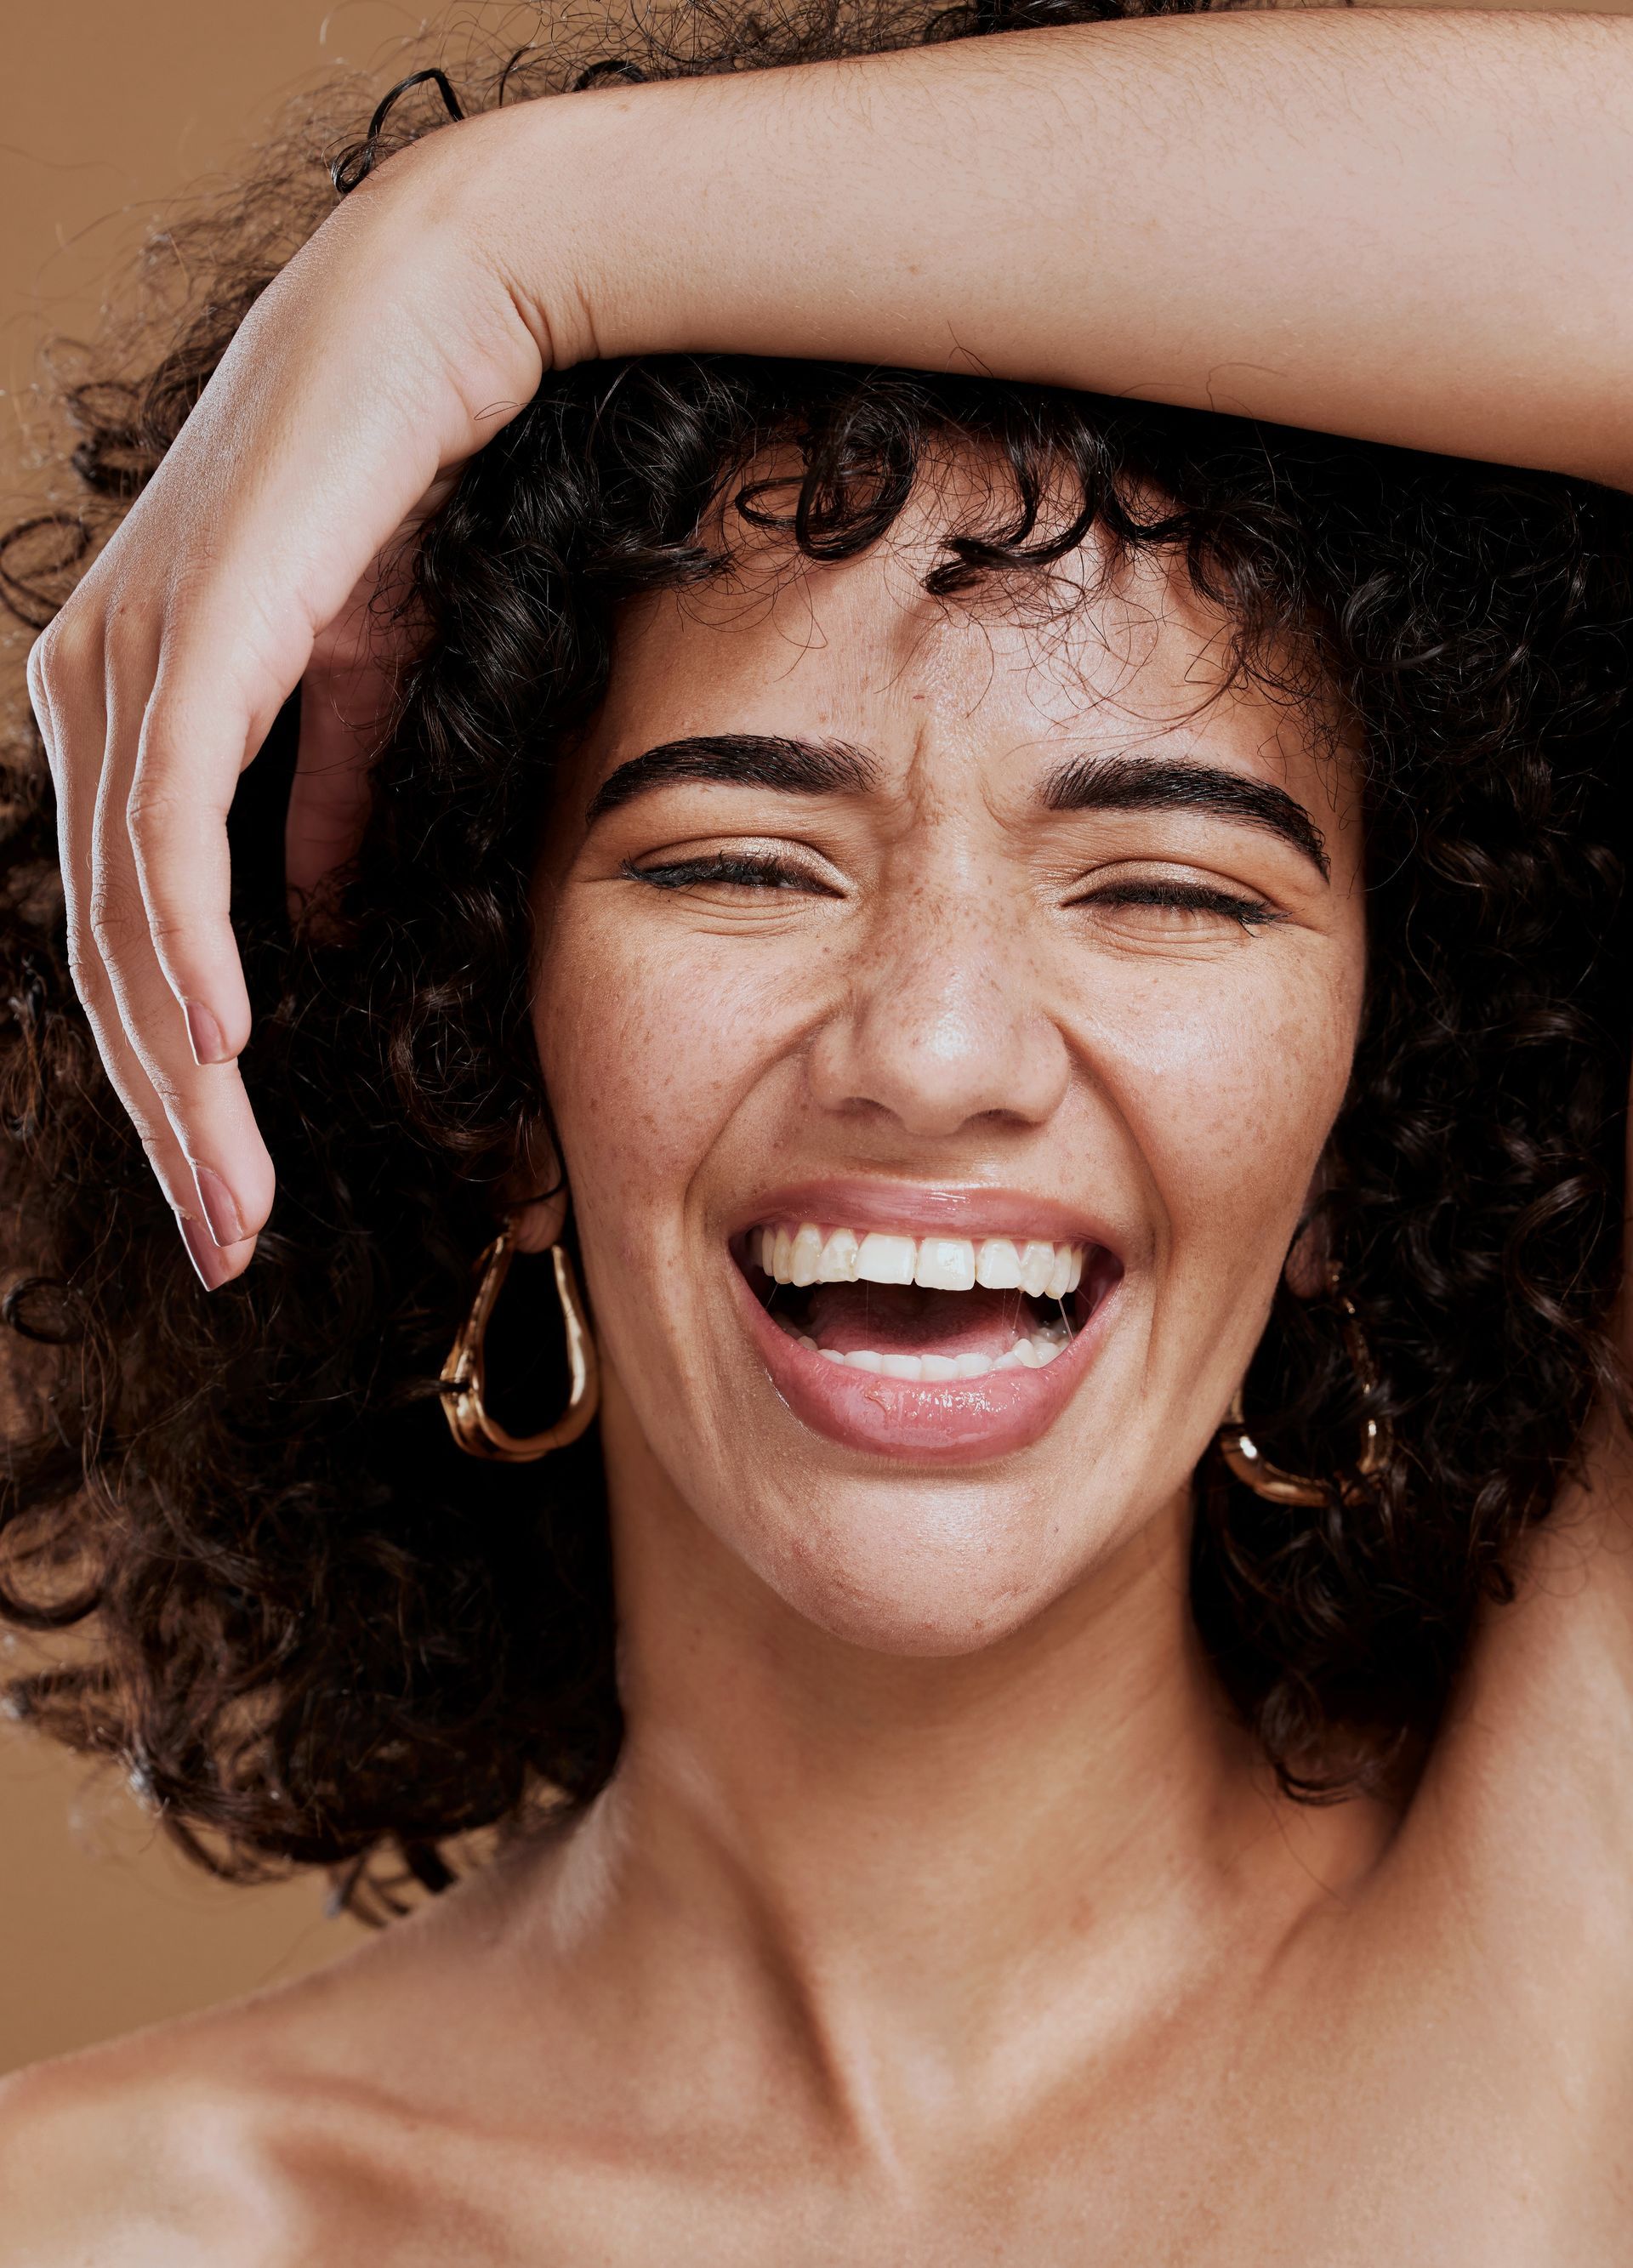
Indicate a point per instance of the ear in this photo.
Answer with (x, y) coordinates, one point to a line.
(539, 1223)
(538, 1218)
(1308, 1268)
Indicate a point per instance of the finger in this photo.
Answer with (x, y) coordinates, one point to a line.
(237, 642)
(73, 726)
(204, 1106)
(75, 676)
(238, 638)
(172, 822)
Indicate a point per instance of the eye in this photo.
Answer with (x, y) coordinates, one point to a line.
(1175, 908)
(734, 870)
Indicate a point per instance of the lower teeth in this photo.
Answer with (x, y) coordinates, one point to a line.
(1033, 1353)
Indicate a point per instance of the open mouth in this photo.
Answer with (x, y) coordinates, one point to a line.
(925, 1310)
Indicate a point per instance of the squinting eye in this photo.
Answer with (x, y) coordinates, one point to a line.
(1187, 905)
(743, 872)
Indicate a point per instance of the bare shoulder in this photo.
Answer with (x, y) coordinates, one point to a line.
(219, 2138)
(288, 2130)
(139, 2155)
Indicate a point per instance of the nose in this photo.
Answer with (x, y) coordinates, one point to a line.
(942, 1025)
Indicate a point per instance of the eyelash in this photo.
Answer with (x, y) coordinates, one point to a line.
(1193, 897)
(751, 872)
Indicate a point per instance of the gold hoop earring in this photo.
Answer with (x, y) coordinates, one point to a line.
(1247, 1464)
(464, 1373)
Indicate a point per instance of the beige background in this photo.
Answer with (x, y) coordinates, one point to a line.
(113, 106)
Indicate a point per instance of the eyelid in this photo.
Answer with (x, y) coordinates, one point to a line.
(722, 843)
(770, 869)
(1167, 874)
(783, 849)
(1229, 901)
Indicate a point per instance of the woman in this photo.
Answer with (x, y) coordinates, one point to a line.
(1057, 963)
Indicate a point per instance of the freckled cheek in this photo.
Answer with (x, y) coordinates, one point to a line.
(649, 1047)
(1230, 1099)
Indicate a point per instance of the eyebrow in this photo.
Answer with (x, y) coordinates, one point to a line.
(1161, 784)
(791, 767)
(740, 759)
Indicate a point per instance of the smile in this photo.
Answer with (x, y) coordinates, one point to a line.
(933, 1346)
(921, 1340)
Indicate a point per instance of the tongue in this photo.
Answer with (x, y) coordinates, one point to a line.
(902, 1318)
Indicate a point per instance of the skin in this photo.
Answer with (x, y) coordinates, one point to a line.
(1078, 206)
(970, 1007)
(938, 1912)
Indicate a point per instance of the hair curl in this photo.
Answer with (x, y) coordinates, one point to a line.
(318, 1635)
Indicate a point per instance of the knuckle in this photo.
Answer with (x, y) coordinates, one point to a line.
(43, 654)
(114, 918)
(40, 698)
(149, 815)
(82, 954)
(160, 1151)
(167, 1088)
(176, 928)
(63, 650)
(85, 972)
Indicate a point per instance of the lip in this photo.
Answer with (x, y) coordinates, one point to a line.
(951, 1422)
(972, 1211)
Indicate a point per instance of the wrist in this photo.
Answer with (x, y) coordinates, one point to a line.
(553, 203)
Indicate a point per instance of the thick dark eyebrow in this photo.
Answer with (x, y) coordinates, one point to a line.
(740, 759)
(1156, 784)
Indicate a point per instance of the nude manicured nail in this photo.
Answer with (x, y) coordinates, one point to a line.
(220, 1206)
(204, 1035)
(212, 1268)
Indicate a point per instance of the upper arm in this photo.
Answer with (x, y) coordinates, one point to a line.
(1529, 1798)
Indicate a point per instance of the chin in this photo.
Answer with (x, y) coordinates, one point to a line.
(927, 1568)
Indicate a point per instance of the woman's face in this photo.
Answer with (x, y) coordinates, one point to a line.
(890, 952)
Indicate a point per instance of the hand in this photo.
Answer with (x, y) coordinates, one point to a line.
(1108, 227)
(380, 358)
(347, 692)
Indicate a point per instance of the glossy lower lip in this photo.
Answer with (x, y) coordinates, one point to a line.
(964, 1421)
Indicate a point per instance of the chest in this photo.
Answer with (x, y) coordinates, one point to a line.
(1289, 2137)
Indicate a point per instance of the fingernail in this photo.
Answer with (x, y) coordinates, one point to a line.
(204, 1035)
(212, 1268)
(220, 1206)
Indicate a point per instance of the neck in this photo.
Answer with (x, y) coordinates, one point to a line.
(914, 1858)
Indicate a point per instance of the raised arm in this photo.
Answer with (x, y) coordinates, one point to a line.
(1412, 227)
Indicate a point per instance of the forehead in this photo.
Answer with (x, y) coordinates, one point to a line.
(1105, 653)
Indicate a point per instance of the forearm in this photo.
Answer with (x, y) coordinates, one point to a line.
(1413, 226)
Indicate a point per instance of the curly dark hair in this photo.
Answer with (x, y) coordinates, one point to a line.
(316, 1634)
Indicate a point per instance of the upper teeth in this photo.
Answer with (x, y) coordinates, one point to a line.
(809, 1254)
